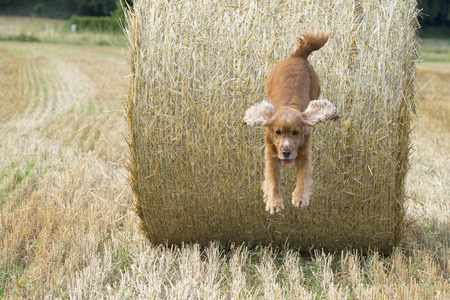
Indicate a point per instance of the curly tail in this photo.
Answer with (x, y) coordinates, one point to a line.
(308, 42)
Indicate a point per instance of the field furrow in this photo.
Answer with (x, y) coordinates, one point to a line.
(32, 91)
(50, 84)
(22, 82)
(10, 100)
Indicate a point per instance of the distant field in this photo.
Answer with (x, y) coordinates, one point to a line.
(68, 230)
(436, 49)
(52, 31)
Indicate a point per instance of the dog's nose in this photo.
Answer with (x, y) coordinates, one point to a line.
(286, 153)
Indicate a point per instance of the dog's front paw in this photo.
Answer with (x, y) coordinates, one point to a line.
(300, 200)
(274, 206)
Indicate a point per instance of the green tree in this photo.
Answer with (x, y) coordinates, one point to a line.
(95, 7)
(118, 12)
(435, 13)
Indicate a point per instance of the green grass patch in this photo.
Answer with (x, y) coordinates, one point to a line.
(435, 49)
(22, 37)
(19, 175)
(45, 89)
(9, 271)
(97, 135)
(435, 59)
(90, 109)
(121, 261)
(102, 24)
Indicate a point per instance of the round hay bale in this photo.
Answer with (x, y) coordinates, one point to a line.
(196, 172)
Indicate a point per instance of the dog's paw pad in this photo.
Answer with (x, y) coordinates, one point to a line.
(300, 201)
(274, 208)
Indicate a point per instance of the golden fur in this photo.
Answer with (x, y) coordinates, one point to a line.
(291, 87)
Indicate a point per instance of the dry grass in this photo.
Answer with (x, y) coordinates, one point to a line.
(429, 179)
(10, 100)
(63, 188)
(68, 230)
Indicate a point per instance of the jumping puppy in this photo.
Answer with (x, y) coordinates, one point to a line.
(291, 87)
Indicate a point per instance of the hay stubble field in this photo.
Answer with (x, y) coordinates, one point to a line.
(68, 229)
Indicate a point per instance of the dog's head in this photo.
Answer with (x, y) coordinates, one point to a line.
(288, 126)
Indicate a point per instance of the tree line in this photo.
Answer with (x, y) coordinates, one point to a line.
(434, 12)
(60, 8)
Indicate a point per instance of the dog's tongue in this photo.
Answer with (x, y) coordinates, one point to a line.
(287, 161)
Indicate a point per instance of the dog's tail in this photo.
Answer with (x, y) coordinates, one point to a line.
(308, 42)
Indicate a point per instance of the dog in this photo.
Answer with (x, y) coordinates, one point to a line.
(291, 87)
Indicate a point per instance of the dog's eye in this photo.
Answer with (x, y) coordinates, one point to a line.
(295, 132)
(278, 132)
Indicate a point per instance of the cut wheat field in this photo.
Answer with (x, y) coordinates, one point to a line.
(68, 229)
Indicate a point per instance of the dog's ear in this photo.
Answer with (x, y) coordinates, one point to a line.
(259, 114)
(320, 111)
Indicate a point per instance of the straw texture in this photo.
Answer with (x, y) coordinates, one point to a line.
(196, 172)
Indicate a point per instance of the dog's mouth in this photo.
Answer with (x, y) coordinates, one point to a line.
(287, 161)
